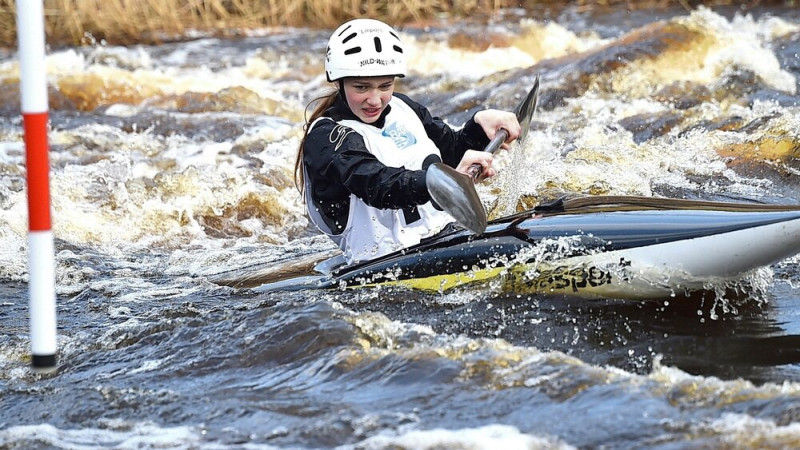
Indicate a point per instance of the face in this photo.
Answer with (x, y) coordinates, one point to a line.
(367, 97)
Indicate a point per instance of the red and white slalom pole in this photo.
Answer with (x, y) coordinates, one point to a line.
(41, 265)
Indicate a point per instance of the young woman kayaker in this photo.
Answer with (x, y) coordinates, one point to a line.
(361, 163)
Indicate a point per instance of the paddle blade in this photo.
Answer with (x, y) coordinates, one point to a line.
(455, 193)
(525, 110)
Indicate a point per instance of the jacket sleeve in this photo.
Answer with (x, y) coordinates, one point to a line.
(452, 143)
(338, 163)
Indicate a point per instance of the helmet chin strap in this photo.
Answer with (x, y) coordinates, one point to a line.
(342, 95)
(340, 90)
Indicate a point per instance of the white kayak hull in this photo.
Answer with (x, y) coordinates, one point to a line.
(635, 253)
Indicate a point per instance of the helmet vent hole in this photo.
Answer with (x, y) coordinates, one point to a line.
(350, 36)
(378, 47)
(397, 49)
(345, 29)
(350, 51)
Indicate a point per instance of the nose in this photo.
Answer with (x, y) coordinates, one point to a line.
(374, 98)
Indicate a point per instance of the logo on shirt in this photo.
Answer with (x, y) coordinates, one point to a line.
(400, 135)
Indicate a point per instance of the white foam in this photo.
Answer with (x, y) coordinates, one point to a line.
(739, 430)
(743, 44)
(494, 436)
(435, 57)
(126, 436)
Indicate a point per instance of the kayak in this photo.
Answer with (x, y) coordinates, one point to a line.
(610, 247)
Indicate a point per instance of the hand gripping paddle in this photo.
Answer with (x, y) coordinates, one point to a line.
(455, 192)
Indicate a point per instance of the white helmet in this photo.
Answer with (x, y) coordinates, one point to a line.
(364, 48)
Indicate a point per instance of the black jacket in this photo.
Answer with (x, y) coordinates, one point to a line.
(334, 173)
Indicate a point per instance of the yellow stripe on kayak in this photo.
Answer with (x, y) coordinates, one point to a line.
(441, 283)
(519, 278)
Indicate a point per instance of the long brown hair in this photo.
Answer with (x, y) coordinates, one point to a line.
(323, 103)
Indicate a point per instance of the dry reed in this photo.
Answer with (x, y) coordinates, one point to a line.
(73, 22)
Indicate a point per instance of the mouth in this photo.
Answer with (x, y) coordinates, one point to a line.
(371, 112)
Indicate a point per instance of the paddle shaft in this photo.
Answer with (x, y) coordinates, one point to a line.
(455, 192)
(476, 169)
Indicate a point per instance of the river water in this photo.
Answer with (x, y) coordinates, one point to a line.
(172, 168)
